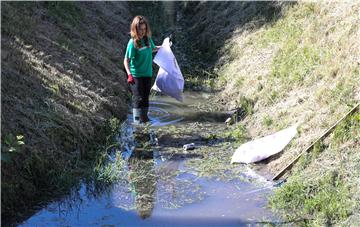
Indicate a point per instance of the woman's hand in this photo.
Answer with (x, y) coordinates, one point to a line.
(156, 48)
(130, 79)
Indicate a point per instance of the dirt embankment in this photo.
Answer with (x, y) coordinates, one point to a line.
(62, 79)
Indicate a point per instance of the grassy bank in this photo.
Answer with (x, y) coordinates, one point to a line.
(324, 186)
(297, 63)
(61, 83)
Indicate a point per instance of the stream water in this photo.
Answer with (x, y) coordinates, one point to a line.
(162, 189)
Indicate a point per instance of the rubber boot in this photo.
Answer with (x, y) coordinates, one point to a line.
(136, 115)
(144, 115)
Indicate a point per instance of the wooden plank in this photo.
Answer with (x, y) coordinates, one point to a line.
(327, 132)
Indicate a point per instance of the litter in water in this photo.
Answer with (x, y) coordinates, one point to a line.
(190, 146)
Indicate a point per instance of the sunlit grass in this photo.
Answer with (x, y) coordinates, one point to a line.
(321, 189)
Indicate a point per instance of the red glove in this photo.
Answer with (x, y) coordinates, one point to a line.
(130, 79)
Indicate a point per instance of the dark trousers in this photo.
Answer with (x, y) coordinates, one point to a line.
(140, 92)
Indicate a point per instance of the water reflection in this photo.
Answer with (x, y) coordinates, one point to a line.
(142, 179)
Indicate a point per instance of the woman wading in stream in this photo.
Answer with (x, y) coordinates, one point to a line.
(138, 66)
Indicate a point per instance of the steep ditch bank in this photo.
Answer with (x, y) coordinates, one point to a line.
(206, 29)
(302, 67)
(61, 84)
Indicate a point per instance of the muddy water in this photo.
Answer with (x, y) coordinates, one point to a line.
(163, 185)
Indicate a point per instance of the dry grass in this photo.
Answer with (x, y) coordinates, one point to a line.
(302, 66)
(328, 86)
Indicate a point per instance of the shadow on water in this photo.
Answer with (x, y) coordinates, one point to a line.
(156, 188)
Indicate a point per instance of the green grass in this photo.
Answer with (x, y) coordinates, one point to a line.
(287, 28)
(108, 173)
(349, 130)
(293, 63)
(267, 121)
(322, 195)
(237, 132)
(322, 201)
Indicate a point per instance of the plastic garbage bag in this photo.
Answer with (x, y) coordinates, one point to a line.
(169, 80)
(264, 147)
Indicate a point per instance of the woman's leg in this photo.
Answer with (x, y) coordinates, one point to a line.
(146, 86)
(136, 100)
(140, 99)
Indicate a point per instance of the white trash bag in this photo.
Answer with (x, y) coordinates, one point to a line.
(264, 147)
(169, 80)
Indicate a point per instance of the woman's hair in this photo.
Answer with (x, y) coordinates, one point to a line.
(135, 26)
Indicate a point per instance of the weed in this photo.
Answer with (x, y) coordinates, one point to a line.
(246, 104)
(109, 172)
(55, 88)
(342, 91)
(268, 121)
(11, 145)
(114, 124)
(272, 96)
(239, 82)
(347, 130)
(317, 149)
(239, 133)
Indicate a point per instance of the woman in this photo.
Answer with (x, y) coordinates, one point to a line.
(138, 66)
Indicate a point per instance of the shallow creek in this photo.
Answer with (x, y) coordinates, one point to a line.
(161, 184)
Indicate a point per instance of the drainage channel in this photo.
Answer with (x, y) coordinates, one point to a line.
(157, 184)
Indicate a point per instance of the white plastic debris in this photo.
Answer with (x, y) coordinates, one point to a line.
(169, 80)
(264, 147)
(190, 146)
(229, 121)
